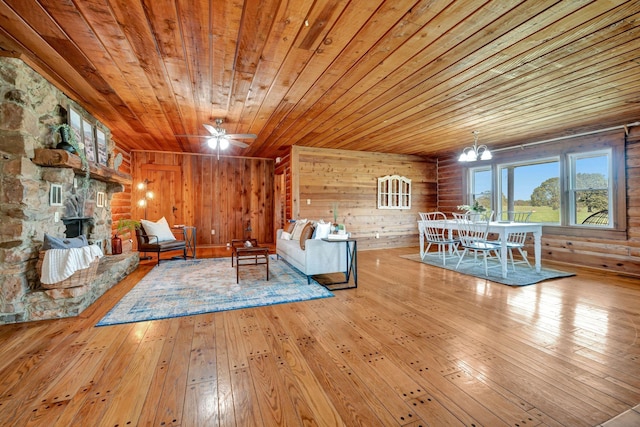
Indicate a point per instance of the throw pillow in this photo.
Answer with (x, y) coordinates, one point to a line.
(290, 226)
(285, 236)
(159, 229)
(323, 230)
(297, 231)
(51, 242)
(306, 234)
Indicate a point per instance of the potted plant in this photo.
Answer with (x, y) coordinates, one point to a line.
(123, 225)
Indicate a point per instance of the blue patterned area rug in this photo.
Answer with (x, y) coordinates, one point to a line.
(522, 276)
(184, 288)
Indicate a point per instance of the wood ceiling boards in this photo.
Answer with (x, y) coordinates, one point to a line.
(399, 76)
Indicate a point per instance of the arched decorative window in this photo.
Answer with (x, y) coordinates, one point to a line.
(394, 192)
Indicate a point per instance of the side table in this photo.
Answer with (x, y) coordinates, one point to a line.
(189, 237)
(352, 264)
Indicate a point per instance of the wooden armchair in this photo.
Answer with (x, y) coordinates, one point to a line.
(144, 244)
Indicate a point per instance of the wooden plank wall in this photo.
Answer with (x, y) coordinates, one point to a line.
(620, 255)
(349, 178)
(284, 168)
(224, 195)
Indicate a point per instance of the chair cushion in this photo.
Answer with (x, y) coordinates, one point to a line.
(168, 245)
(160, 229)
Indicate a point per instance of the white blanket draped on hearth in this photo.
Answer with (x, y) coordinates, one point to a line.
(60, 264)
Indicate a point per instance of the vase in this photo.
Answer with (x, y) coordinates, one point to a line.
(64, 142)
(116, 245)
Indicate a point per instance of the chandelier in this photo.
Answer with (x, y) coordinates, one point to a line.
(475, 152)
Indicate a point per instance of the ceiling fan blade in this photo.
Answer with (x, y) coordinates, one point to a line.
(238, 143)
(241, 135)
(193, 136)
(211, 129)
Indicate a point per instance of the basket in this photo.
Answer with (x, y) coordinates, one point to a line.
(79, 278)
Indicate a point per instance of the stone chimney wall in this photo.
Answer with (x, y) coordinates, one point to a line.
(29, 107)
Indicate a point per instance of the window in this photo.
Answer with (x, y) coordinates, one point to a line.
(589, 189)
(481, 186)
(573, 188)
(531, 186)
(394, 192)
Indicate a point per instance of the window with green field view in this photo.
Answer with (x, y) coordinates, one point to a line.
(583, 199)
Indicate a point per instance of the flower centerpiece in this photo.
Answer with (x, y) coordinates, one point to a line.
(475, 208)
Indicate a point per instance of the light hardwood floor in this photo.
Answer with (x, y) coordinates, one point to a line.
(412, 346)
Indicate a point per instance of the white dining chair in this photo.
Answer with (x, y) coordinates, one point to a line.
(435, 233)
(517, 240)
(472, 232)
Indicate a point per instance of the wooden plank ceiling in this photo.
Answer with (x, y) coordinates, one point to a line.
(397, 76)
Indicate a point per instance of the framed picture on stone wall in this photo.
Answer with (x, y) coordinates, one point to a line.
(75, 122)
(101, 146)
(89, 140)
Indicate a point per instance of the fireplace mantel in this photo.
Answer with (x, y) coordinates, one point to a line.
(63, 159)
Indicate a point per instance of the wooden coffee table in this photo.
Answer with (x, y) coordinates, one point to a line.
(252, 255)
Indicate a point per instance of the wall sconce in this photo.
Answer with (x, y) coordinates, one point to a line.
(475, 152)
(146, 195)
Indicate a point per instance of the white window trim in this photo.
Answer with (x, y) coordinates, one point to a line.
(571, 190)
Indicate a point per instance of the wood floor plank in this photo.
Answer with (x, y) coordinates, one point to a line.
(201, 405)
(412, 346)
(457, 401)
(225, 411)
(597, 398)
(275, 406)
(328, 373)
(123, 410)
(150, 409)
(324, 413)
(347, 346)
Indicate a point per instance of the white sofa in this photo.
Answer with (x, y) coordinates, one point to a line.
(318, 256)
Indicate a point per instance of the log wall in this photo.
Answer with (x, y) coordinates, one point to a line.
(226, 195)
(323, 177)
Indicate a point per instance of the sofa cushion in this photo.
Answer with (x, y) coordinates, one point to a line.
(306, 234)
(289, 227)
(297, 231)
(322, 230)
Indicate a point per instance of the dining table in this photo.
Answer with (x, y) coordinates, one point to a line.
(503, 229)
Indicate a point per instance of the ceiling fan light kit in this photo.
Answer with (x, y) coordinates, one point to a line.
(219, 139)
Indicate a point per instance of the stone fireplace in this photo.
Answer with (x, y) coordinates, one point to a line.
(29, 109)
(78, 226)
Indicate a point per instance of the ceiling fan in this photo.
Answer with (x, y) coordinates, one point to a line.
(219, 139)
